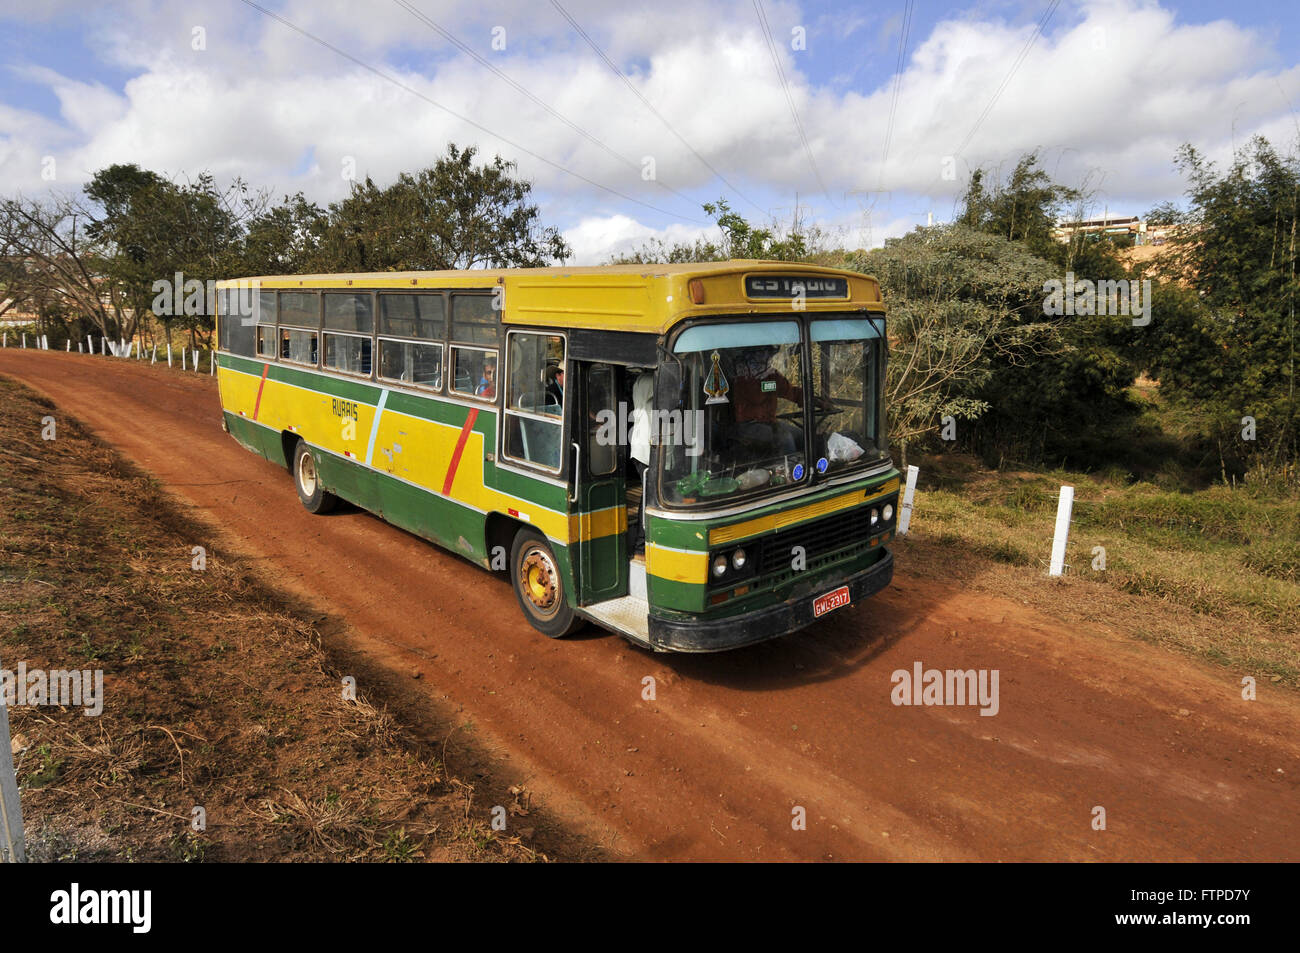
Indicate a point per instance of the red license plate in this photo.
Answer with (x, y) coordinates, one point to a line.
(832, 600)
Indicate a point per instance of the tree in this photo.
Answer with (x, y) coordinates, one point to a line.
(1024, 209)
(1034, 408)
(961, 302)
(150, 229)
(286, 239)
(740, 238)
(55, 268)
(454, 214)
(1226, 350)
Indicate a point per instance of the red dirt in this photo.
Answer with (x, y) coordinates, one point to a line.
(1185, 769)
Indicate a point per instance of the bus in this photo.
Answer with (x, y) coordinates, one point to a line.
(690, 455)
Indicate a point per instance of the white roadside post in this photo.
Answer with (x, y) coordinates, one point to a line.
(154, 358)
(905, 511)
(184, 351)
(169, 353)
(24, 339)
(1062, 534)
(69, 347)
(12, 846)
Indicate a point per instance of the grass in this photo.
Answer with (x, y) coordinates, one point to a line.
(1220, 565)
(219, 692)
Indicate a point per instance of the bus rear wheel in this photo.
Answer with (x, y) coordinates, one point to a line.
(539, 587)
(310, 491)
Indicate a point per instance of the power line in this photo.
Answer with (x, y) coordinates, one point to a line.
(524, 91)
(645, 102)
(1042, 24)
(465, 119)
(780, 74)
(898, 83)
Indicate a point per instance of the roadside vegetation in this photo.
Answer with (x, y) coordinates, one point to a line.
(218, 692)
(1211, 573)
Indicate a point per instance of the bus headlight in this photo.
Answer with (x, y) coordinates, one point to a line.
(738, 560)
(875, 516)
(719, 565)
(888, 512)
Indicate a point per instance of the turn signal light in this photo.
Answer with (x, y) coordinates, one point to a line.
(696, 288)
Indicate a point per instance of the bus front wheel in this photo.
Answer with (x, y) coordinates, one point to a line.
(539, 586)
(313, 495)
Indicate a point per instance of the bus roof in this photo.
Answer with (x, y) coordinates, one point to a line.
(634, 298)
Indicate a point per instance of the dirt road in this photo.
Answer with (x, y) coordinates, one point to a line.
(716, 766)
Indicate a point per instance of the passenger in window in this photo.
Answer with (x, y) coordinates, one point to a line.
(487, 384)
(555, 385)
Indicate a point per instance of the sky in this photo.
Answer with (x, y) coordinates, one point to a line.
(866, 117)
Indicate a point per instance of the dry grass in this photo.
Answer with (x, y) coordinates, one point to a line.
(1211, 574)
(219, 693)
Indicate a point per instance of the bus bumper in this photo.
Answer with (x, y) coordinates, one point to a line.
(733, 632)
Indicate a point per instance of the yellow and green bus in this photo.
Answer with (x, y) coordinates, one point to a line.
(690, 455)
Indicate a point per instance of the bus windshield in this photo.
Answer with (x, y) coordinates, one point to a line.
(743, 400)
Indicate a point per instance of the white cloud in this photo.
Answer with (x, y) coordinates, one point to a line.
(597, 239)
(1111, 91)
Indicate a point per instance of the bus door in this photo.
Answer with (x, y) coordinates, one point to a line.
(598, 494)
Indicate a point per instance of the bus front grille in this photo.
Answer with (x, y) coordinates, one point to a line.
(818, 538)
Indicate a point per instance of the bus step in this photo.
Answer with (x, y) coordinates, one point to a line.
(628, 615)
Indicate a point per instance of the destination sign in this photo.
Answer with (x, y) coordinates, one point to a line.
(795, 286)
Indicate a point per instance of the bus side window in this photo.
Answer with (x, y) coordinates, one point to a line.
(535, 398)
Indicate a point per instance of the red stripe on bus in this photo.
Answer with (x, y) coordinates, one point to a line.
(257, 407)
(460, 448)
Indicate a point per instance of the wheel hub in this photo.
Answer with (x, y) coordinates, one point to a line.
(540, 580)
(307, 474)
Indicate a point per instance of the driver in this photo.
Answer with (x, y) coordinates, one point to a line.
(754, 392)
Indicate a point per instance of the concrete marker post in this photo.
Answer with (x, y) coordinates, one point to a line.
(13, 847)
(1062, 534)
(905, 511)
